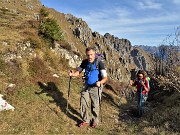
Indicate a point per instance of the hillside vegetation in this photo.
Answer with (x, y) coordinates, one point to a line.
(40, 77)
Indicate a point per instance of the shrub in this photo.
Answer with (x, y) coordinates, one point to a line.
(38, 69)
(43, 12)
(50, 29)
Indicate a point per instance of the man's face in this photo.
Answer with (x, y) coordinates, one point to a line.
(90, 55)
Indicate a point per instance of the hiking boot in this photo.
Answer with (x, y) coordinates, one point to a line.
(94, 125)
(83, 124)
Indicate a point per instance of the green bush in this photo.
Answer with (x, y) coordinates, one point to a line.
(50, 30)
(44, 12)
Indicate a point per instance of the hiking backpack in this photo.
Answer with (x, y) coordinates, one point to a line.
(148, 80)
(92, 72)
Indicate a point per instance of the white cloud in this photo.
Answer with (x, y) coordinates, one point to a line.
(127, 25)
(120, 12)
(107, 19)
(149, 4)
(115, 12)
(176, 1)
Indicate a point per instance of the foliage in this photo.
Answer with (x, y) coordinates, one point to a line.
(50, 29)
(43, 13)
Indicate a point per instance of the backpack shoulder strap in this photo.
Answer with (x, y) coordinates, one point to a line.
(97, 63)
(147, 80)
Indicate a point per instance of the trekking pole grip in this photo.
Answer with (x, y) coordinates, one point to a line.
(71, 74)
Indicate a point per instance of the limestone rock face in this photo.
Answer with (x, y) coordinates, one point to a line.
(80, 29)
(74, 60)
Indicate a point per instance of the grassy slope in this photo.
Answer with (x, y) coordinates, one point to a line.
(46, 113)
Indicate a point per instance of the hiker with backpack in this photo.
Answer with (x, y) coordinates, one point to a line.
(142, 83)
(94, 78)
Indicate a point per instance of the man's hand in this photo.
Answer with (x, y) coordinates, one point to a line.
(71, 73)
(98, 84)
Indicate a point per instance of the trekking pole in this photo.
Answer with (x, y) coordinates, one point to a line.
(99, 88)
(69, 82)
(140, 103)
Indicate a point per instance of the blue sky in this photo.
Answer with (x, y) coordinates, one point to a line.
(143, 22)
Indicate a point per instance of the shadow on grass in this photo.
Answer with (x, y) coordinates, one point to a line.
(51, 90)
(109, 99)
(128, 111)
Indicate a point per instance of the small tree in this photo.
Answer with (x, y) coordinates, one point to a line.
(51, 30)
(49, 27)
(43, 14)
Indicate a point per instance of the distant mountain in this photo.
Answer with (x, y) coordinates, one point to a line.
(155, 51)
(150, 49)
